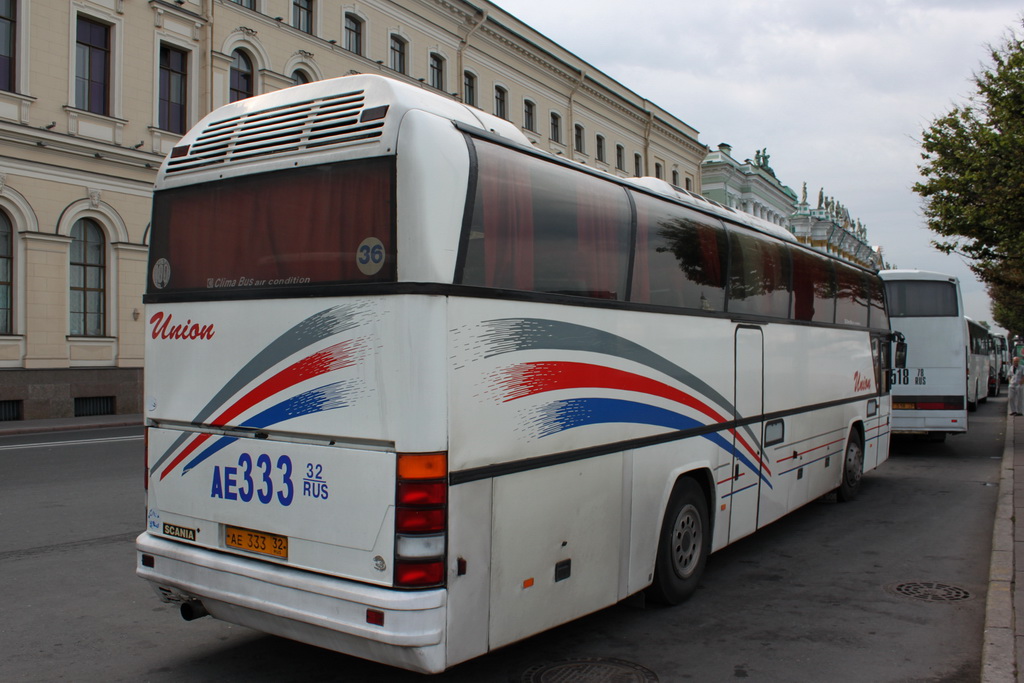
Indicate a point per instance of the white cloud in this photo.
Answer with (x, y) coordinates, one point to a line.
(838, 93)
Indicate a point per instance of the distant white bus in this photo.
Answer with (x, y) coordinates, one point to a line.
(946, 373)
(416, 390)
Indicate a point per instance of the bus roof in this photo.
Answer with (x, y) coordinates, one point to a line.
(915, 274)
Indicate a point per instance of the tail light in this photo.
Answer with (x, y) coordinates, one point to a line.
(421, 520)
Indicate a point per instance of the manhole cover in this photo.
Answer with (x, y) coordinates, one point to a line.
(589, 670)
(929, 591)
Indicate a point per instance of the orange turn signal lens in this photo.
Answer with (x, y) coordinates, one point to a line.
(422, 465)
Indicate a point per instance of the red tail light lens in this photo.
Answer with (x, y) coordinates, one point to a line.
(415, 521)
(419, 574)
(421, 513)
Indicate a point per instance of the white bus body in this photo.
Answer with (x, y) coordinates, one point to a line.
(416, 390)
(942, 379)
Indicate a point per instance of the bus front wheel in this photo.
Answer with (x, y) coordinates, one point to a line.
(853, 467)
(684, 544)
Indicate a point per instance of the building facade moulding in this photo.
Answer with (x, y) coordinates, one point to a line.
(93, 207)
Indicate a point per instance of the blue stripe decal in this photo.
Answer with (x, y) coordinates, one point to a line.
(559, 416)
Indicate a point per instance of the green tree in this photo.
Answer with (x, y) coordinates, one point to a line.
(973, 179)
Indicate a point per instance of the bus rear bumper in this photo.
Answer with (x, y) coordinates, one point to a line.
(300, 605)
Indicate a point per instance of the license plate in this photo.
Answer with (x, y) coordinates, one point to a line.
(256, 542)
(903, 406)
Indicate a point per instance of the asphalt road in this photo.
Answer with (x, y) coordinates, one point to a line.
(889, 587)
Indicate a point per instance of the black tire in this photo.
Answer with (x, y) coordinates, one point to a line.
(683, 546)
(853, 467)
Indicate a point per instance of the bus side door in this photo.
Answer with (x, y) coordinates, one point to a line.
(748, 402)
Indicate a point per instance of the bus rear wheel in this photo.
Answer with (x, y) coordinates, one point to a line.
(853, 467)
(684, 544)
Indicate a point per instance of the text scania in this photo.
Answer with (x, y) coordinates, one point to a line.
(165, 328)
(263, 481)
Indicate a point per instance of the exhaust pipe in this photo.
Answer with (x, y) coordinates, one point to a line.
(192, 610)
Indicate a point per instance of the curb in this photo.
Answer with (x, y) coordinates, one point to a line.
(998, 654)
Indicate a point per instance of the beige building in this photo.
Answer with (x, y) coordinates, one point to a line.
(94, 93)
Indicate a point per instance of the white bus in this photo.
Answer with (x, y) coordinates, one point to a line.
(980, 369)
(945, 376)
(416, 390)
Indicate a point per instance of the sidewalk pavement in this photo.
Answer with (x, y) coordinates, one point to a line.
(8, 428)
(1004, 633)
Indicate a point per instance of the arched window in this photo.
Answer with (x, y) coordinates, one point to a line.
(398, 53)
(437, 71)
(579, 139)
(353, 34)
(299, 77)
(620, 157)
(88, 279)
(6, 273)
(638, 165)
(241, 77)
(600, 148)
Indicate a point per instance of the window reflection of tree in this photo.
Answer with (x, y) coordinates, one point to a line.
(699, 251)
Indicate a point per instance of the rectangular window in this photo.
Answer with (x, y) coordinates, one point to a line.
(600, 148)
(500, 102)
(437, 71)
(538, 226)
(92, 67)
(353, 34)
(469, 89)
(556, 127)
(921, 298)
(759, 275)
(302, 15)
(8, 62)
(173, 89)
(814, 287)
(851, 296)
(397, 54)
(529, 115)
(248, 4)
(294, 228)
(620, 157)
(579, 138)
(638, 165)
(680, 257)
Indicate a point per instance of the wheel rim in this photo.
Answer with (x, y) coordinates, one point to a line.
(854, 463)
(687, 541)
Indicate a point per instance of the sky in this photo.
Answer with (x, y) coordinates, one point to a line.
(837, 93)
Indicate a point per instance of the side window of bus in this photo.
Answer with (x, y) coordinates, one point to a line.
(814, 287)
(852, 297)
(879, 318)
(680, 257)
(538, 226)
(759, 275)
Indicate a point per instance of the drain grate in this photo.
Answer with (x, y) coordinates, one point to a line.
(589, 670)
(930, 591)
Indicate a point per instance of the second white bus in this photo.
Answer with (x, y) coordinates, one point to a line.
(417, 389)
(946, 373)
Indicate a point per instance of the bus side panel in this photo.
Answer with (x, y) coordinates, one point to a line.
(469, 562)
(555, 546)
